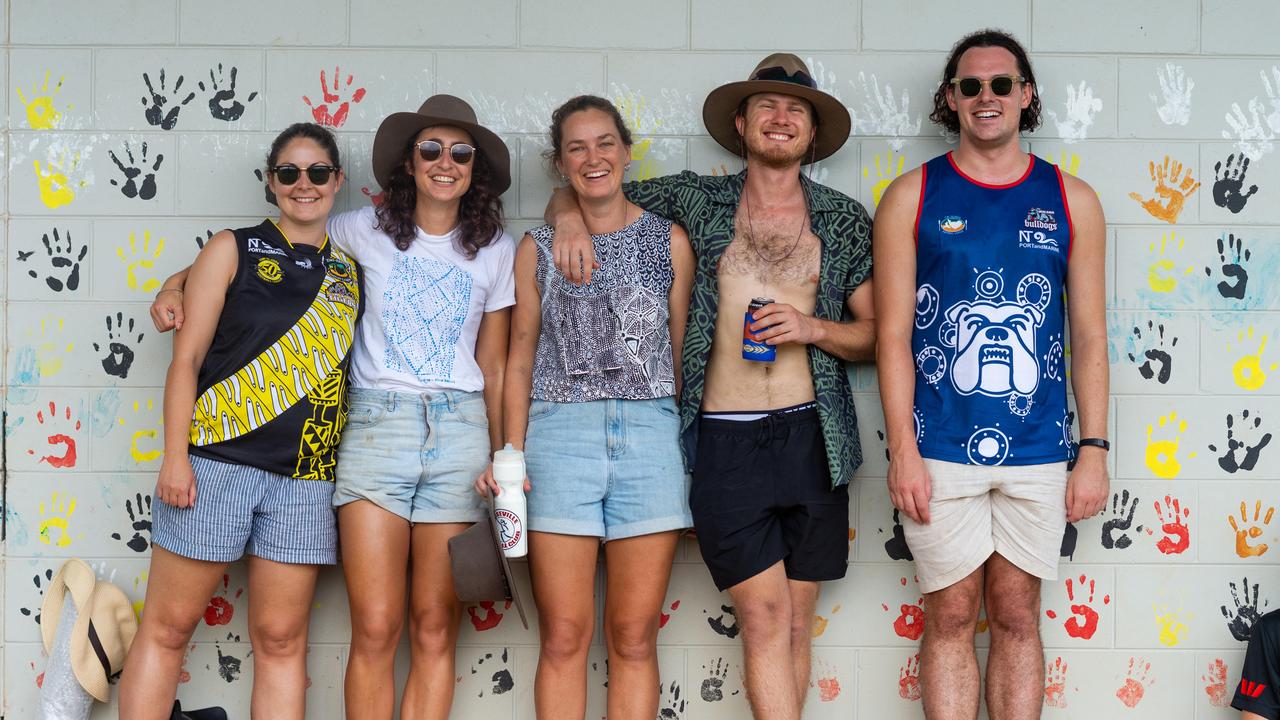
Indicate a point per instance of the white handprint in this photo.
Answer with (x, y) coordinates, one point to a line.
(1175, 86)
(1250, 133)
(1273, 96)
(1081, 107)
(884, 116)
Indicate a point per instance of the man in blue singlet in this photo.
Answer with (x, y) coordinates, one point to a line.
(972, 253)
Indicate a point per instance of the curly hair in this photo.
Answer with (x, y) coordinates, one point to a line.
(578, 104)
(946, 117)
(480, 217)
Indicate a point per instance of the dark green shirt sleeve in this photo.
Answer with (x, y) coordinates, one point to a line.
(860, 268)
(663, 196)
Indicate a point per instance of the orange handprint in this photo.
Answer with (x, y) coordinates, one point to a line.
(321, 112)
(1174, 193)
(909, 679)
(1254, 531)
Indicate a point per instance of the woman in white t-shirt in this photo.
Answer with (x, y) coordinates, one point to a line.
(425, 397)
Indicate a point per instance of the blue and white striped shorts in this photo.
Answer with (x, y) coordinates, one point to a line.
(242, 510)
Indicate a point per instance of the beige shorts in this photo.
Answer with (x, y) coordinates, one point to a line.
(1018, 511)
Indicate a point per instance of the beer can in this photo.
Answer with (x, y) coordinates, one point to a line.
(752, 347)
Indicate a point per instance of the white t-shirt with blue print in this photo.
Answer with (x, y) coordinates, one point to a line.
(423, 305)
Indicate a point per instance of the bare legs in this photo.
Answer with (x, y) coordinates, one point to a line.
(776, 615)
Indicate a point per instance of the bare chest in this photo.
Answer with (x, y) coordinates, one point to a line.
(778, 251)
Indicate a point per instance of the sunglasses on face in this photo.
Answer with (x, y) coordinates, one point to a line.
(1001, 85)
(289, 174)
(430, 150)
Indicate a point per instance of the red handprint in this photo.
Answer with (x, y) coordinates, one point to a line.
(1084, 621)
(1177, 536)
(220, 610)
(909, 679)
(68, 457)
(1055, 686)
(376, 198)
(664, 618)
(491, 617)
(321, 112)
(1135, 684)
(1215, 683)
(910, 623)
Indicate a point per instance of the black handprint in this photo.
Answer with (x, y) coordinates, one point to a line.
(223, 105)
(133, 170)
(266, 189)
(40, 588)
(1226, 187)
(1120, 521)
(673, 706)
(1155, 354)
(119, 356)
(1240, 621)
(717, 623)
(1069, 537)
(1233, 270)
(200, 241)
(1228, 460)
(140, 521)
(896, 546)
(713, 686)
(60, 258)
(156, 114)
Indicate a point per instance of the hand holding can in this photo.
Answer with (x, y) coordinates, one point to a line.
(754, 348)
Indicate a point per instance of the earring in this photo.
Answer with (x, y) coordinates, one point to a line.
(626, 167)
(564, 178)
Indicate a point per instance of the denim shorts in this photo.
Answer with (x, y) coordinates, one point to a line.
(606, 468)
(242, 510)
(414, 454)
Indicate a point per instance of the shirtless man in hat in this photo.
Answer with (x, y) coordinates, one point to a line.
(772, 444)
(973, 252)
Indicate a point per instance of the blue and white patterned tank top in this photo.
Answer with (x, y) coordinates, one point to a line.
(991, 268)
(608, 339)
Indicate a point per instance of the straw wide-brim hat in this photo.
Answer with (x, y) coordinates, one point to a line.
(480, 568)
(785, 74)
(104, 629)
(398, 129)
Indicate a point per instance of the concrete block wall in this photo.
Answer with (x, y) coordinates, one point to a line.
(1194, 304)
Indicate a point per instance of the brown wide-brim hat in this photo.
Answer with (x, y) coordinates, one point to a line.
(785, 74)
(104, 629)
(398, 129)
(480, 568)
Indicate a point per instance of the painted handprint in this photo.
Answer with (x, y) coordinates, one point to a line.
(61, 441)
(485, 615)
(1135, 682)
(1246, 611)
(223, 104)
(139, 521)
(1161, 454)
(712, 689)
(909, 679)
(1173, 523)
(1232, 257)
(1055, 683)
(145, 443)
(267, 195)
(1248, 439)
(1273, 97)
(55, 520)
(138, 259)
(119, 357)
(1170, 625)
(1228, 183)
(131, 188)
(156, 114)
(1157, 354)
(1163, 273)
(896, 546)
(726, 628)
(1082, 106)
(33, 612)
(1246, 531)
(1175, 92)
(1122, 520)
(54, 179)
(1215, 683)
(1171, 191)
(321, 111)
(63, 260)
(888, 168)
(671, 705)
(1247, 371)
(1083, 622)
(221, 609)
(52, 349)
(884, 115)
(1250, 131)
(41, 113)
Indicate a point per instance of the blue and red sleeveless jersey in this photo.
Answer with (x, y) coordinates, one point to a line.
(991, 269)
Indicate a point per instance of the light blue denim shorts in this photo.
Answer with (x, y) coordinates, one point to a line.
(242, 510)
(606, 468)
(415, 455)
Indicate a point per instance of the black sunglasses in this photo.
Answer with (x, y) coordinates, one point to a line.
(430, 151)
(289, 174)
(1001, 85)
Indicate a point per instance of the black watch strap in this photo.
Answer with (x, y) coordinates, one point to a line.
(1095, 442)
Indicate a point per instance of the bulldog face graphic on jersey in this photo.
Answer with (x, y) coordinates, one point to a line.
(995, 347)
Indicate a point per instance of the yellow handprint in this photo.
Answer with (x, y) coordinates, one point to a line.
(631, 106)
(41, 114)
(1070, 163)
(141, 259)
(1254, 531)
(48, 341)
(146, 436)
(1159, 273)
(1174, 197)
(56, 517)
(721, 171)
(1162, 455)
(54, 185)
(1172, 629)
(886, 171)
(1247, 371)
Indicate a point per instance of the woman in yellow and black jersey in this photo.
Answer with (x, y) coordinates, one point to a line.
(260, 369)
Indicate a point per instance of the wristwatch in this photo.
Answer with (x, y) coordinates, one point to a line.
(1095, 442)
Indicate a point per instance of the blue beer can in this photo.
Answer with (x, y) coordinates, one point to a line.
(754, 348)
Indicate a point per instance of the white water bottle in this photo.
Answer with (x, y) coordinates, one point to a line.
(510, 509)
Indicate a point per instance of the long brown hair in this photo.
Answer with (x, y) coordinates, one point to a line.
(946, 117)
